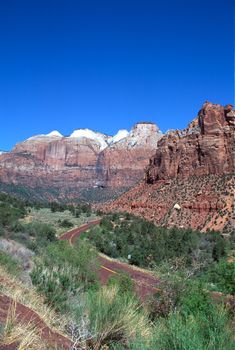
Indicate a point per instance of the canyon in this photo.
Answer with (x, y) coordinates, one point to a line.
(184, 178)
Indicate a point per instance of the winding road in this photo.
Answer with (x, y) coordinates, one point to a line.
(145, 283)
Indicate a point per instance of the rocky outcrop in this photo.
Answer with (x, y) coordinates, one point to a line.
(190, 179)
(85, 160)
(123, 163)
(205, 147)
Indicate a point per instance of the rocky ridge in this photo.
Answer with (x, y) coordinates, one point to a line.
(84, 160)
(189, 181)
(205, 147)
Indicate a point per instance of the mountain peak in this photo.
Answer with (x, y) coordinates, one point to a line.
(100, 138)
(120, 135)
(145, 127)
(55, 133)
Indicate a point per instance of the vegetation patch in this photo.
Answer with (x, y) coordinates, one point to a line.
(9, 264)
(62, 272)
(143, 244)
(67, 295)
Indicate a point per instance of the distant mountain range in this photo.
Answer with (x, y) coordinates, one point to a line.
(84, 161)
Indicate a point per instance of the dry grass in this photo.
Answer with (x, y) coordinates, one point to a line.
(113, 316)
(25, 335)
(13, 288)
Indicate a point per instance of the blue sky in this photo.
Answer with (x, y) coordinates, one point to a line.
(106, 65)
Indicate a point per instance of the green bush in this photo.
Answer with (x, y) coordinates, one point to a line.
(197, 323)
(123, 282)
(166, 299)
(222, 275)
(40, 235)
(64, 271)
(120, 235)
(194, 323)
(65, 223)
(10, 264)
(194, 299)
(2, 231)
(106, 224)
(201, 331)
(113, 317)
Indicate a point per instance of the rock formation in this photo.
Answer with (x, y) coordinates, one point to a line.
(84, 160)
(190, 179)
(205, 147)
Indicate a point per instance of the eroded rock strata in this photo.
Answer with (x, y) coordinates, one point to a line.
(84, 160)
(189, 181)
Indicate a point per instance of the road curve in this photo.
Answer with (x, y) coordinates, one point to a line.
(145, 283)
(27, 315)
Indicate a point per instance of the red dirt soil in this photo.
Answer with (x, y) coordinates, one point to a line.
(26, 315)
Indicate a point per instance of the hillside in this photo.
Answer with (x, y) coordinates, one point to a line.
(190, 180)
(59, 292)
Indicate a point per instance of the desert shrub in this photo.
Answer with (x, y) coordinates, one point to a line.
(11, 209)
(193, 323)
(56, 283)
(200, 331)
(194, 299)
(9, 214)
(114, 317)
(64, 271)
(120, 235)
(211, 322)
(65, 223)
(40, 235)
(10, 264)
(165, 300)
(178, 333)
(2, 231)
(55, 206)
(39, 229)
(222, 275)
(106, 224)
(76, 210)
(16, 226)
(123, 282)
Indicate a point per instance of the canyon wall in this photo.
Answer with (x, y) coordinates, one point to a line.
(189, 181)
(84, 160)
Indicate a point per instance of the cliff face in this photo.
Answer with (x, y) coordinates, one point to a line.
(190, 179)
(123, 163)
(205, 147)
(84, 160)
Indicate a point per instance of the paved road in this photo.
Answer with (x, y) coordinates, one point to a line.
(145, 283)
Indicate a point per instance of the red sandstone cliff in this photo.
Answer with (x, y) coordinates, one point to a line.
(84, 160)
(190, 178)
(205, 147)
